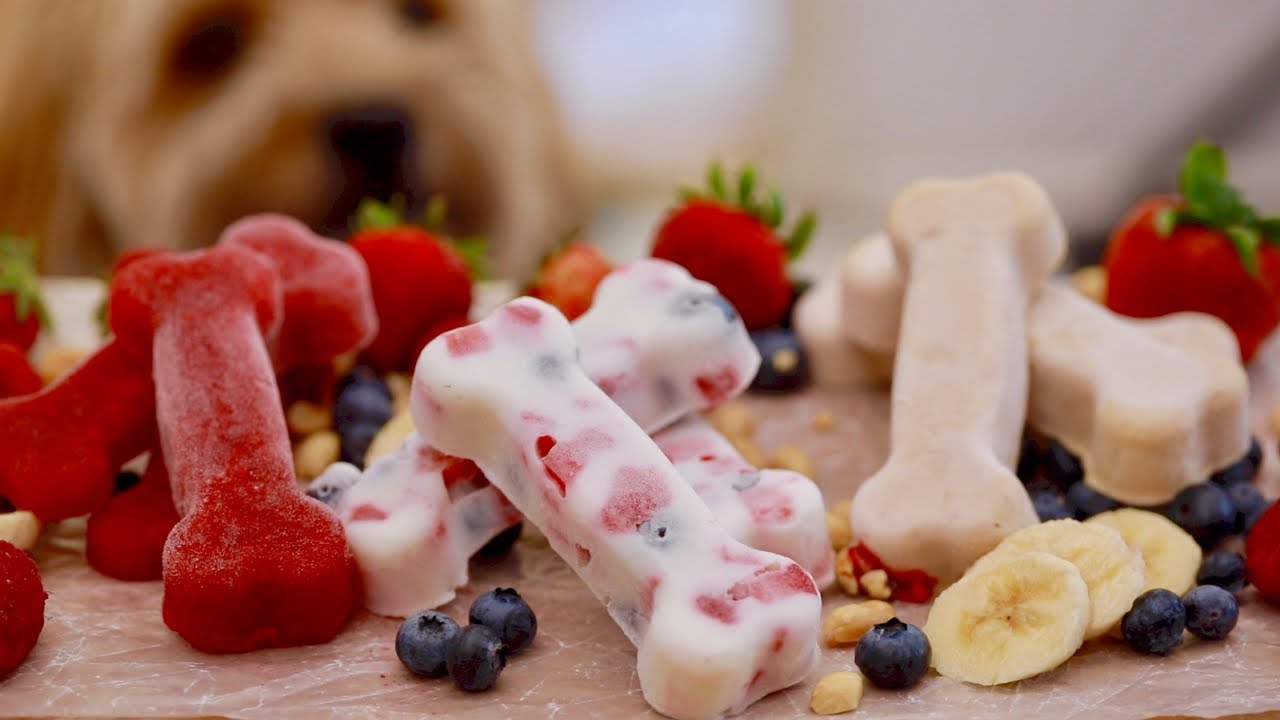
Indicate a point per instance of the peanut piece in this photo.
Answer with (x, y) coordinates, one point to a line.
(749, 449)
(838, 525)
(305, 418)
(876, 583)
(839, 692)
(316, 452)
(390, 437)
(824, 420)
(1091, 282)
(846, 624)
(791, 457)
(398, 384)
(733, 420)
(845, 578)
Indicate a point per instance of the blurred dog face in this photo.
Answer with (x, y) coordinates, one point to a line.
(174, 118)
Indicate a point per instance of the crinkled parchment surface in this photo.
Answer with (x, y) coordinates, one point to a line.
(106, 652)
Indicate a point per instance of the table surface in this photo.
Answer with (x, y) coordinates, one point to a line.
(106, 652)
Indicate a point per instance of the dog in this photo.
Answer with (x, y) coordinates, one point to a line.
(140, 123)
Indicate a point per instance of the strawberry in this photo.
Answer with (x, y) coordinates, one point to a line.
(22, 311)
(733, 243)
(1262, 554)
(1204, 250)
(22, 599)
(418, 279)
(17, 377)
(569, 276)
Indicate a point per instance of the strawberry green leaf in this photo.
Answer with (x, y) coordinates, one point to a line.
(771, 213)
(715, 181)
(800, 235)
(688, 193)
(373, 213)
(747, 187)
(1270, 228)
(1166, 219)
(1209, 200)
(18, 278)
(1245, 240)
(434, 216)
(474, 252)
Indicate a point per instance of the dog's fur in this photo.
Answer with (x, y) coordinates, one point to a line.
(108, 142)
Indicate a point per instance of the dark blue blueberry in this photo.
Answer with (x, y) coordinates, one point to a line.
(1086, 502)
(475, 658)
(1252, 518)
(1155, 622)
(554, 368)
(1242, 470)
(1223, 568)
(126, 479)
(1029, 458)
(1061, 465)
(367, 402)
(356, 439)
(658, 531)
(746, 480)
(1050, 505)
(893, 655)
(507, 614)
(1205, 512)
(361, 375)
(697, 301)
(501, 543)
(798, 289)
(423, 641)
(783, 364)
(1246, 498)
(1211, 612)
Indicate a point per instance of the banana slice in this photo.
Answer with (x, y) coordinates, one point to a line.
(20, 528)
(1171, 555)
(1019, 616)
(1112, 570)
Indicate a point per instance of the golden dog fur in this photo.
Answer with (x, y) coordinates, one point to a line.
(108, 141)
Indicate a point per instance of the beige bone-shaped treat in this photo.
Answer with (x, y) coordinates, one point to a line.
(975, 252)
(835, 360)
(1150, 406)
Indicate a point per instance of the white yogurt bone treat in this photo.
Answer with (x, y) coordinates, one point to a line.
(834, 360)
(717, 625)
(871, 294)
(663, 344)
(974, 254)
(779, 511)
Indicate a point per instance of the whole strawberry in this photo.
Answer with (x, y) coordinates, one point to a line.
(22, 599)
(1205, 250)
(418, 279)
(732, 241)
(22, 311)
(569, 276)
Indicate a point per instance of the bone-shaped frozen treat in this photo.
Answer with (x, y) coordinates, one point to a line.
(662, 344)
(834, 360)
(975, 252)
(717, 624)
(779, 511)
(1150, 406)
(252, 563)
(871, 294)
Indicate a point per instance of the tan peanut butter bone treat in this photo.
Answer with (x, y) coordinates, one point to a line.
(871, 294)
(973, 251)
(1150, 406)
(834, 360)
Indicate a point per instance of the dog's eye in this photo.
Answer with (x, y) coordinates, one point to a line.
(212, 43)
(422, 13)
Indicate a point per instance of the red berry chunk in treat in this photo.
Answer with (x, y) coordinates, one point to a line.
(22, 599)
(17, 377)
(906, 585)
(729, 238)
(568, 278)
(1262, 554)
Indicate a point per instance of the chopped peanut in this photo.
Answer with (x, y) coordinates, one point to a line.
(791, 457)
(844, 572)
(847, 624)
(1091, 282)
(876, 584)
(733, 420)
(399, 384)
(839, 692)
(824, 420)
(305, 418)
(316, 452)
(838, 527)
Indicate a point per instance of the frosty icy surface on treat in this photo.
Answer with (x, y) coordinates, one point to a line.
(253, 563)
(834, 360)
(663, 344)
(60, 448)
(717, 624)
(1150, 406)
(974, 253)
(779, 511)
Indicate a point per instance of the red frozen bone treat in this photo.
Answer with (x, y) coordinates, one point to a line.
(17, 377)
(61, 447)
(1262, 554)
(253, 563)
(125, 538)
(328, 304)
(21, 606)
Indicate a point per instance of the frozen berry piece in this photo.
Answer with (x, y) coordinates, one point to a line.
(893, 654)
(22, 599)
(423, 641)
(1050, 505)
(1086, 502)
(1062, 466)
(503, 611)
(475, 658)
(1247, 500)
(1242, 470)
(1155, 623)
(1223, 568)
(1211, 612)
(783, 364)
(1205, 512)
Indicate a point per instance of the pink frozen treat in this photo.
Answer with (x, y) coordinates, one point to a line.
(717, 624)
(663, 344)
(253, 563)
(775, 510)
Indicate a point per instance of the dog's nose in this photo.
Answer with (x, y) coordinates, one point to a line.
(372, 144)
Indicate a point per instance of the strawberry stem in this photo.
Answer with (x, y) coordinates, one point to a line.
(18, 278)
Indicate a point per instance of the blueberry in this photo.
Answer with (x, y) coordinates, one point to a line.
(501, 543)
(361, 375)
(1155, 622)
(1029, 458)
(1061, 466)
(1211, 612)
(1086, 502)
(507, 614)
(1050, 505)
(365, 402)
(330, 486)
(783, 363)
(423, 641)
(1223, 568)
(126, 479)
(893, 655)
(1205, 511)
(475, 658)
(1247, 499)
(798, 289)
(1252, 517)
(1242, 470)
(355, 441)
